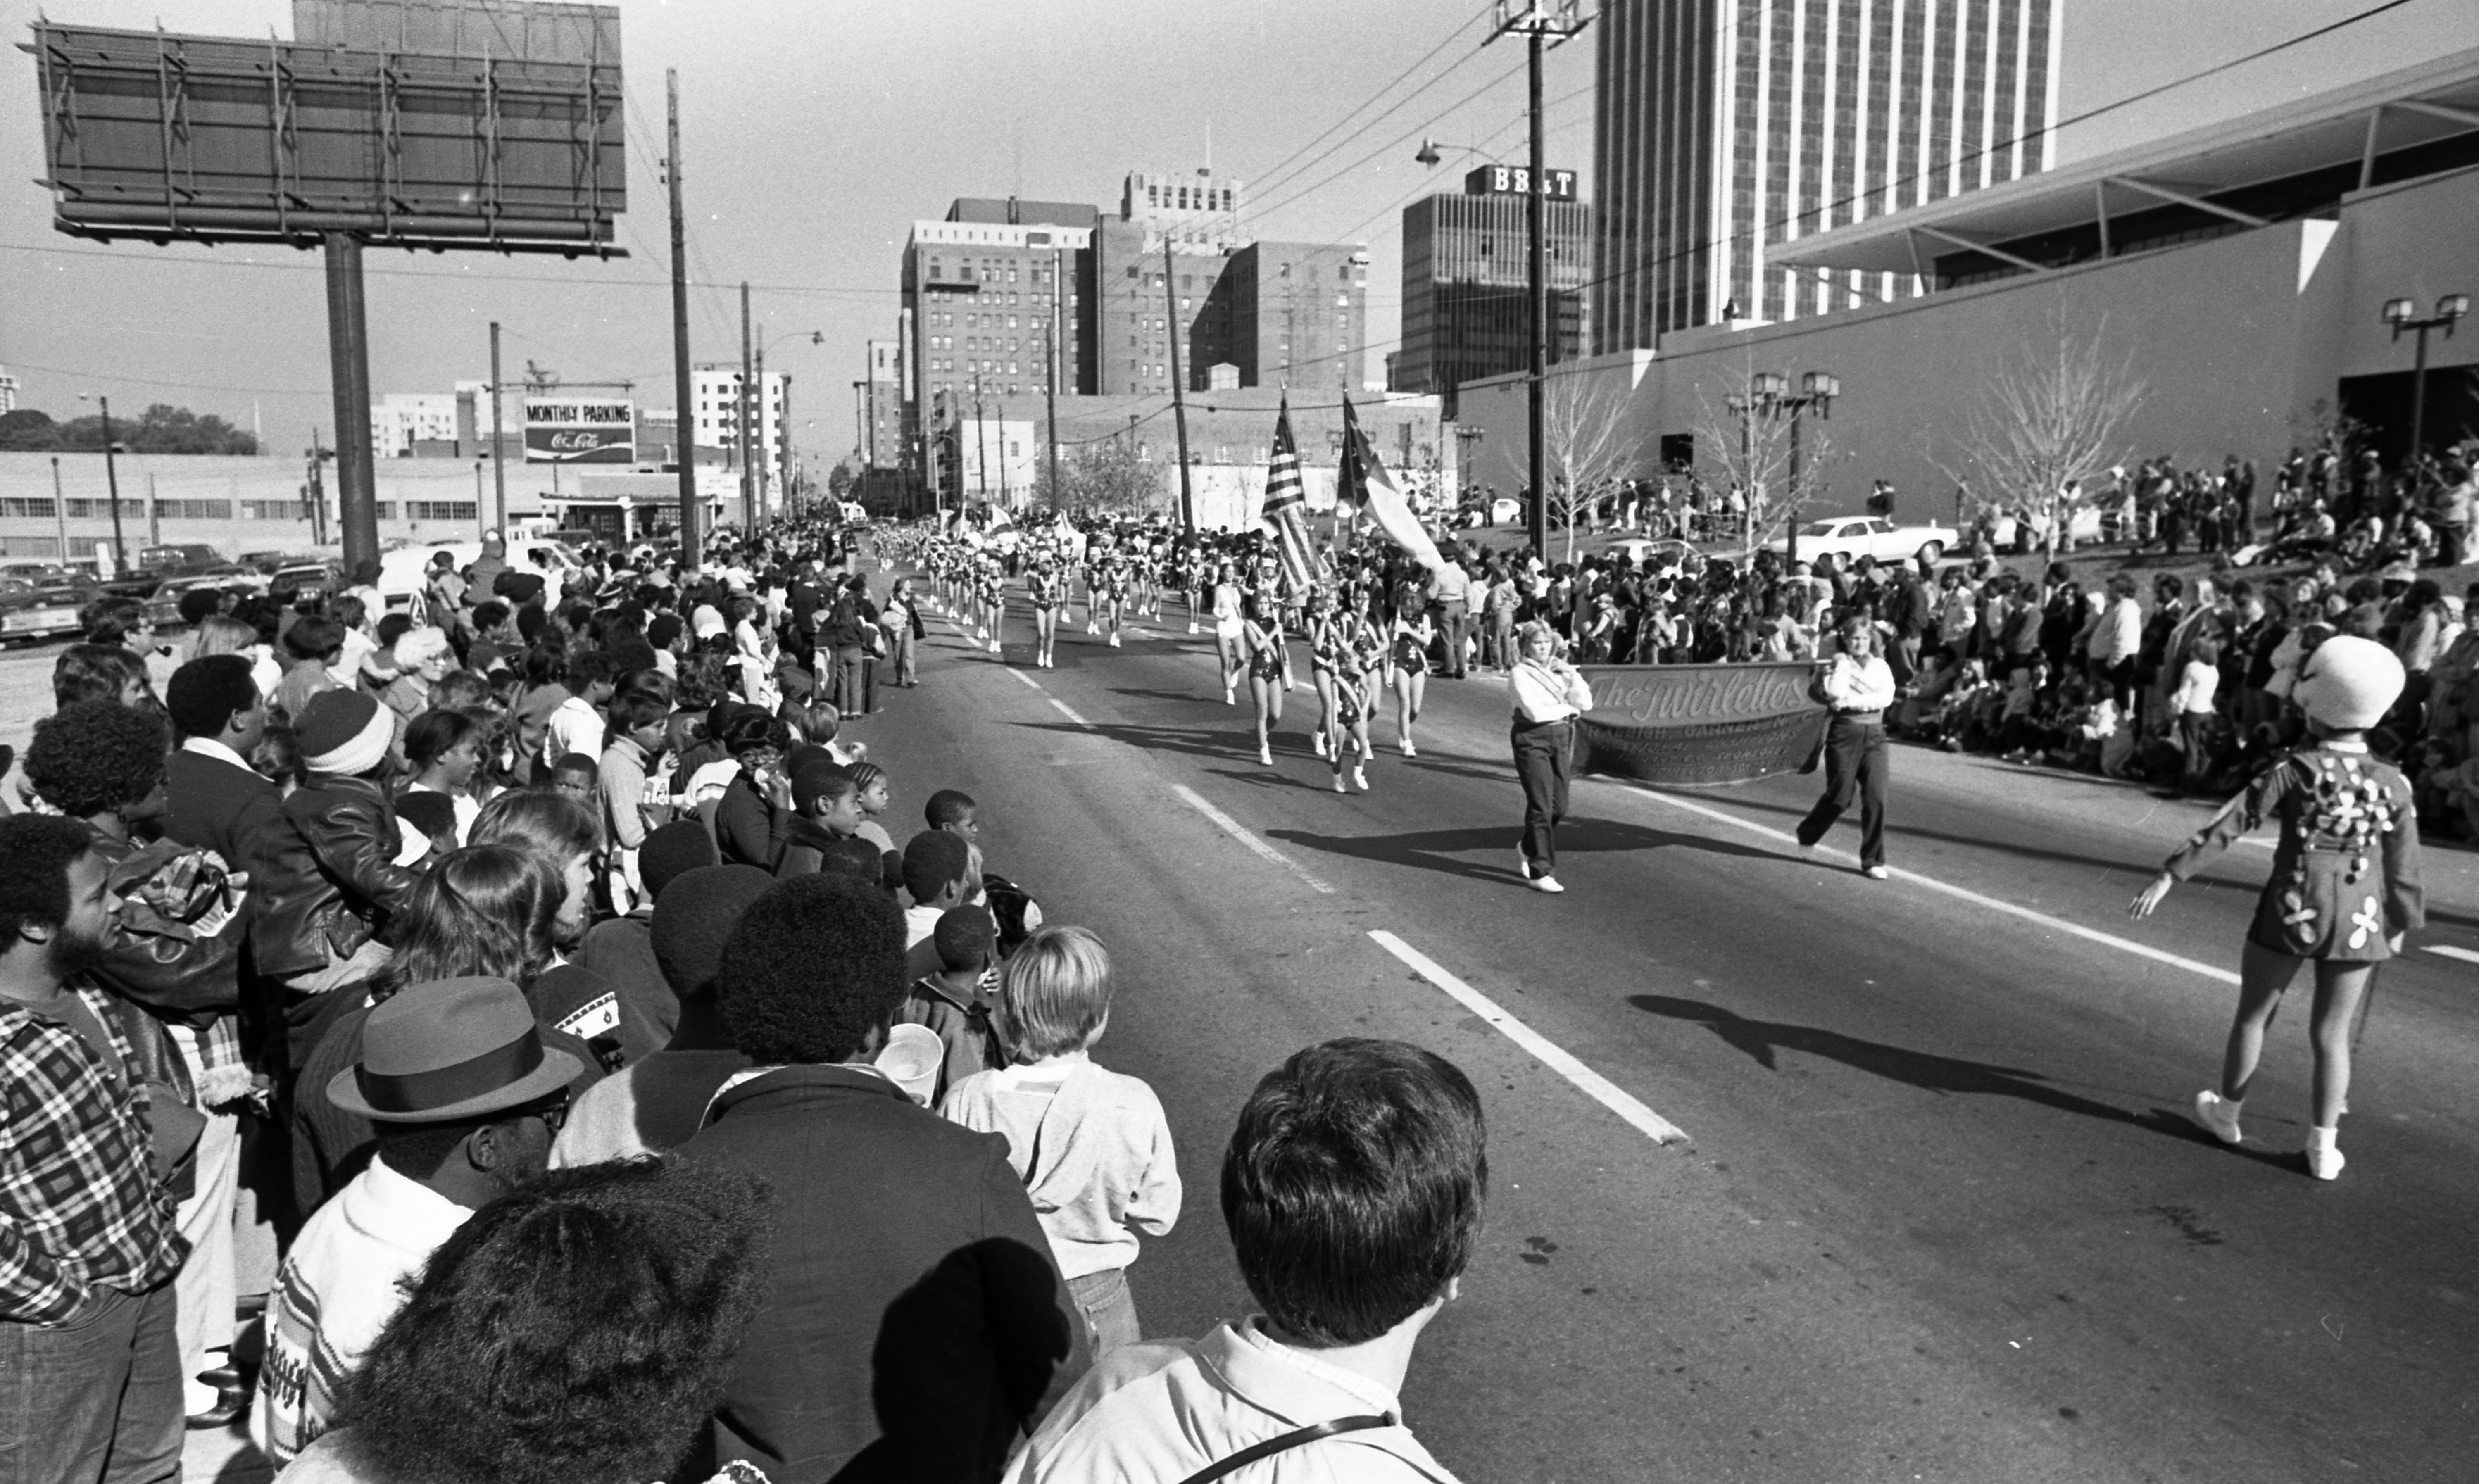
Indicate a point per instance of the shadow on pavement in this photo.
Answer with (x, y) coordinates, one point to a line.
(1925, 1070)
(1435, 850)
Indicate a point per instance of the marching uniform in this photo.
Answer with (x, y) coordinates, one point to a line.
(2345, 873)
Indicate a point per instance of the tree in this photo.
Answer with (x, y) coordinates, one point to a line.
(2048, 422)
(1108, 476)
(1584, 443)
(1744, 443)
(839, 481)
(161, 428)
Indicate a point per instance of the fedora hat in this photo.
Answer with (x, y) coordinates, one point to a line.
(449, 1050)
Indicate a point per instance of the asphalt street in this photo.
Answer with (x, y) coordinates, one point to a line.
(1937, 1212)
(1937, 1215)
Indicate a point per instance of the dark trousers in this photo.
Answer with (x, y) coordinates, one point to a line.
(1545, 759)
(97, 1398)
(1855, 760)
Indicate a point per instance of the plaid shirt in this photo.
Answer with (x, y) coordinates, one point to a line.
(80, 1205)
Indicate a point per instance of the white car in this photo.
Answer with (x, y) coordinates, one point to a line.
(1850, 537)
(2082, 526)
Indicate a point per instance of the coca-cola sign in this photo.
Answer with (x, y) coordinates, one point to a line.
(580, 430)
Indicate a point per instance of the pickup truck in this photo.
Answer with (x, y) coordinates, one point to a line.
(1850, 537)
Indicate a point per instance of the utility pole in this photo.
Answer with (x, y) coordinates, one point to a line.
(748, 475)
(59, 510)
(499, 450)
(1178, 394)
(111, 484)
(1538, 20)
(684, 429)
(1050, 368)
(980, 447)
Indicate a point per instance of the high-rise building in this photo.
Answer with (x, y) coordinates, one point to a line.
(1298, 314)
(1725, 128)
(881, 412)
(1467, 268)
(1197, 213)
(715, 420)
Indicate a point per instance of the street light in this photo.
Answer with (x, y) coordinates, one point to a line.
(2403, 315)
(111, 478)
(1769, 396)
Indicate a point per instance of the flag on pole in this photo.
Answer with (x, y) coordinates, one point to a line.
(1000, 518)
(1285, 507)
(1364, 484)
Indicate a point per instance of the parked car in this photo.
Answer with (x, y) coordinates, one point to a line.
(1663, 550)
(302, 579)
(1850, 537)
(2012, 535)
(178, 561)
(41, 610)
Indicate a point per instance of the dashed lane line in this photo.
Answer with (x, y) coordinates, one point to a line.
(1591, 1084)
(2447, 950)
(1961, 893)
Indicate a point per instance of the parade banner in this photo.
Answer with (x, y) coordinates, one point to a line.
(1694, 725)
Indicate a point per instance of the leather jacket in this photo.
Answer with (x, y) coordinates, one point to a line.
(327, 878)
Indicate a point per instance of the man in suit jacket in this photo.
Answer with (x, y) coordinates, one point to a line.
(215, 799)
(915, 1323)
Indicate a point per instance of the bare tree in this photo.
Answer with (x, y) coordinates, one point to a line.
(2048, 422)
(1745, 442)
(1108, 476)
(1585, 443)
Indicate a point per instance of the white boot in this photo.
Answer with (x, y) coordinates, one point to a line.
(2323, 1154)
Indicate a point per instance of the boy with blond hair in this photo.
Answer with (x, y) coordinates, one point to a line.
(1091, 1145)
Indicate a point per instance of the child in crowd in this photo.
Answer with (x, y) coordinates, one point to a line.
(2192, 704)
(829, 806)
(1091, 1145)
(956, 1001)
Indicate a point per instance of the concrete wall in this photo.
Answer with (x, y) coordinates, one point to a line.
(2236, 338)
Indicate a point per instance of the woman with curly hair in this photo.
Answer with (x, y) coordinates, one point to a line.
(578, 1331)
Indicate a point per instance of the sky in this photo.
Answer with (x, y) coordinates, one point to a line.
(815, 134)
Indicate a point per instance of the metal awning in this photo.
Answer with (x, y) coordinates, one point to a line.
(2353, 124)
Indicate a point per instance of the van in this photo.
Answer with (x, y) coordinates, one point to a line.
(402, 572)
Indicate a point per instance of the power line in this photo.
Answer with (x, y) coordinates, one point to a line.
(1284, 170)
(581, 282)
(1322, 183)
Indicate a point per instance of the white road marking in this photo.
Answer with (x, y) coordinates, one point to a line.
(1064, 710)
(1591, 1084)
(1240, 832)
(2452, 952)
(1964, 893)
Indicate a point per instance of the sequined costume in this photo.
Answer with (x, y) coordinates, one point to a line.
(2345, 873)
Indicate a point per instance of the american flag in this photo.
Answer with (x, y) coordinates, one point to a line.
(1285, 507)
(1283, 487)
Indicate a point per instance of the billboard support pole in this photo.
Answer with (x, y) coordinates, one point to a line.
(683, 421)
(349, 369)
(748, 474)
(498, 446)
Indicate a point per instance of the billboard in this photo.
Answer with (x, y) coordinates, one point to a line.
(580, 430)
(159, 137)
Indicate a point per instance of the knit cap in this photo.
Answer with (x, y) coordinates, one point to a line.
(343, 733)
(672, 851)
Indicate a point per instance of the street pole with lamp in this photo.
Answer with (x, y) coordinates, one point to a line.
(2403, 315)
(1538, 20)
(1817, 389)
(112, 483)
(1765, 388)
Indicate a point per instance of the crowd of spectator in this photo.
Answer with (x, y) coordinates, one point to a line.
(625, 1100)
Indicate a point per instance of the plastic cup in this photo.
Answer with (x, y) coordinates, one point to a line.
(911, 1057)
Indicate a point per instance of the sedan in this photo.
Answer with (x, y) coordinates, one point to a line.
(1850, 537)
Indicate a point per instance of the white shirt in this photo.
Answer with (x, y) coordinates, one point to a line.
(209, 746)
(1542, 693)
(574, 728)
(1855, 684)
(336, 1291)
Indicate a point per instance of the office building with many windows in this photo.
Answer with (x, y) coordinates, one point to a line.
(1724, 129)
(1466, 264)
